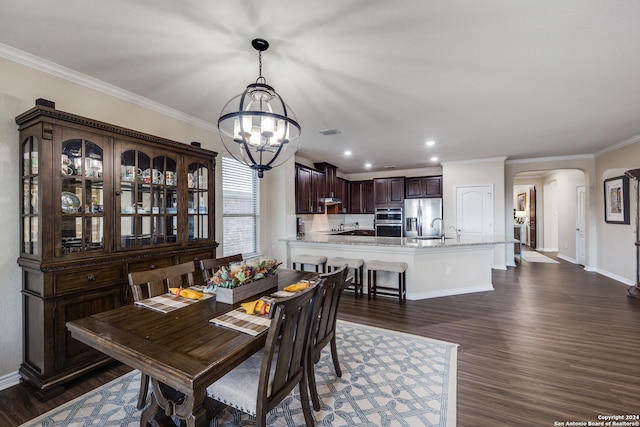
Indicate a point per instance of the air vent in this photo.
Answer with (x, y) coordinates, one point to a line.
(328, 132)
(390, 167)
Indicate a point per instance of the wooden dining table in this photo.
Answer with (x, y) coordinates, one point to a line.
(181, 351)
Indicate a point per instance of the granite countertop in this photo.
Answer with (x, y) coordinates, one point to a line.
(405, 242)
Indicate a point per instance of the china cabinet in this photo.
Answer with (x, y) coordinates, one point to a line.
(98, 201)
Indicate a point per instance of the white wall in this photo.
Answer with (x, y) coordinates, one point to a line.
(10, 277)
(480, 172)
(617, 257)
(564, 203)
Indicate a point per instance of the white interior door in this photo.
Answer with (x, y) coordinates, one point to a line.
(581, 246)
(474, 210)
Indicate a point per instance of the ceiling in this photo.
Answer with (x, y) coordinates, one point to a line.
(490, 78)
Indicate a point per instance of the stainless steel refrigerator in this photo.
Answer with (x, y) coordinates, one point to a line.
(423, 218)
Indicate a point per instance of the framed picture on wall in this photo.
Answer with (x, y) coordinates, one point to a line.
(616, 200)
(521, 201)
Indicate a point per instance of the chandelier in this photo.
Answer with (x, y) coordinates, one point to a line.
(257, 127)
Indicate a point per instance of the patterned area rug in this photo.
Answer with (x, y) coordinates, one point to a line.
(388, 379)
(532, 256)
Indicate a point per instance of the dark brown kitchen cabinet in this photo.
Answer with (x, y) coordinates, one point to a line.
(361, 197)
(423, 186)
(330, 178)
(304, 204)
(388, 191)
(318, 190)
(369, 197)
(310, 188)
(342, 193)
(98, 201)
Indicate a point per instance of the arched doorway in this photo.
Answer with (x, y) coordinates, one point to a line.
(551, 222)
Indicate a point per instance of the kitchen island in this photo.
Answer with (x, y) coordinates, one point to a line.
(436, 268)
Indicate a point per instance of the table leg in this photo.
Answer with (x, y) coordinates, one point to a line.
(193, 409)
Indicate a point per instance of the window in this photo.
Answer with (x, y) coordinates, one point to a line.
(240, 209)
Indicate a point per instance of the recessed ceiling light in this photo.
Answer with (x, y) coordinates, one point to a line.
(434, 159)
(367, 165)
(430, 143)
(347, 153)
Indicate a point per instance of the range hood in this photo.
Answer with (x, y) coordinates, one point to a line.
(331, 200)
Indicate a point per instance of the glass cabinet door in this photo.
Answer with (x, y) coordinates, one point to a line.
(198, 201)
(82, 197)
(30, 203)
(148, 202)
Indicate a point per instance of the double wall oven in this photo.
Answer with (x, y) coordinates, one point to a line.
(388, 222)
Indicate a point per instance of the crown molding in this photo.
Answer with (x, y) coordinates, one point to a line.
(619, 145)
(484, 160)
(70, 75)
(550, 159)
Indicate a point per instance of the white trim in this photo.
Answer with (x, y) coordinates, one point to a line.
(485, 160)
(614, 277)
(65, 73)
(566, 258)
(550, 159)
(448, 292)
(9, 380)
(620, 144)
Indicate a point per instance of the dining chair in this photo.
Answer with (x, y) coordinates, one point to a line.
(209, 266)
(323, 331)
(260, 383)
(151, 283)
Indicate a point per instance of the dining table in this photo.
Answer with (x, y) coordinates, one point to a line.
(182, 351)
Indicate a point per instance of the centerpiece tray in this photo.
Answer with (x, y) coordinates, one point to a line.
(239, 293)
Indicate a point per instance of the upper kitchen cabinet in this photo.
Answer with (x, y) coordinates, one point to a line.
(310, 188)
(361, 197)
(388, 191)
(330, 178)
(342, 193)
(335, 189)
(97, 202)
(424, 186)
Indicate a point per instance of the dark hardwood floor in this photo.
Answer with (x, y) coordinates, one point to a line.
(552, 343)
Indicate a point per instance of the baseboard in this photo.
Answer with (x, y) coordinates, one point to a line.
(616, 277)
(9, 380)
(499, 266)
(546, 249)
(449, 292)
(566, 258)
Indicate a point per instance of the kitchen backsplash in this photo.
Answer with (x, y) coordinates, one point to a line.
(330, 222)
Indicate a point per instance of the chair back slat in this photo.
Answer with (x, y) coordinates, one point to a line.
(327, 310)
(285, 354)
(151, 283)
(209, 266)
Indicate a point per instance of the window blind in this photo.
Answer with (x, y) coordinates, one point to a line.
(240, 209)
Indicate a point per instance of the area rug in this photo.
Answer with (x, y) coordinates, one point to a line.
(388, 379)
(532, 256)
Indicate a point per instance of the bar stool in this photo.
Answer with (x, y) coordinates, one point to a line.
(394, 267)
(311, 260)
(354, 264)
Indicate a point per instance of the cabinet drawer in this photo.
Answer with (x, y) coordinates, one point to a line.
(150, 264)
(88, 278)
(196, 256)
